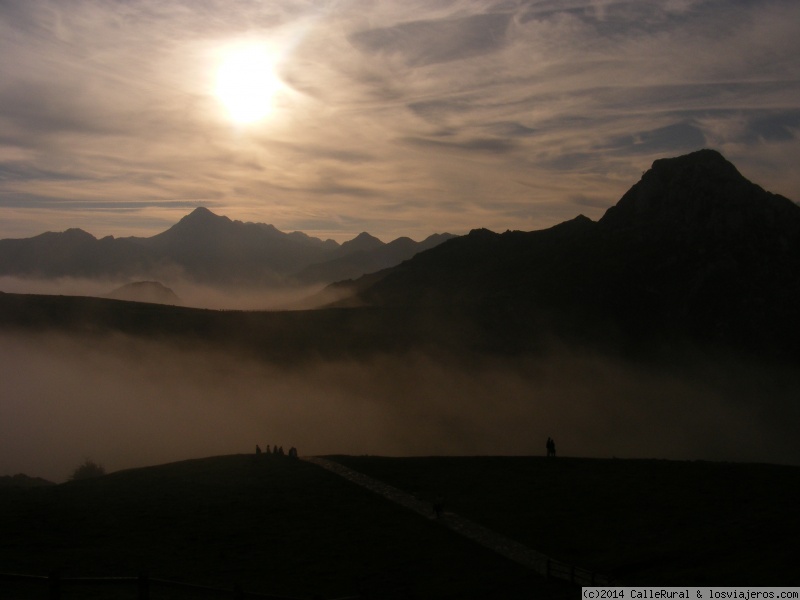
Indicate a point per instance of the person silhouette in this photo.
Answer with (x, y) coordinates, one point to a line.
(551, 447)
(438, 507)
(258, 449)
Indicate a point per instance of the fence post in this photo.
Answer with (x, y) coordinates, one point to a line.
(55, 585)
(144, 586)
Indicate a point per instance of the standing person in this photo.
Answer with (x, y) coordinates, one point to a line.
(551, 447)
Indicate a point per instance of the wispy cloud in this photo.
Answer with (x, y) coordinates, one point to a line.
(399, 118)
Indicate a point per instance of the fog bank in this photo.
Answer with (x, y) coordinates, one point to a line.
(126, 402)
(191, 294)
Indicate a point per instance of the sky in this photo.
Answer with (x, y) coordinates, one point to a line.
(396, 118)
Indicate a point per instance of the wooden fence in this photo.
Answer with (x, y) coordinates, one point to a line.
(143, 584)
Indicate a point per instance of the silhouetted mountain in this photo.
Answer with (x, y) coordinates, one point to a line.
(370, 259)
(693, 249)
(214, 248)
(362, 242)
(145, 291)
(74, 253)
(202, 247)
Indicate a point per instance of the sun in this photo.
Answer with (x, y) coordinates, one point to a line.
(246, 83)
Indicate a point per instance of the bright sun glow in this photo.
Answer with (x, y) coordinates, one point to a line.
(246, 83)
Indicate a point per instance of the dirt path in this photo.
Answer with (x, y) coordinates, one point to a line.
(496, 542)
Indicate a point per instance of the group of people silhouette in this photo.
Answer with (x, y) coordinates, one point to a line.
(551, 447)
(276, 451)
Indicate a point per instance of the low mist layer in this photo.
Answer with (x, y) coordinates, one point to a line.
(126, 402)
(191, 294)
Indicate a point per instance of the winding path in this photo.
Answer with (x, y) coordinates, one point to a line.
(488, 538)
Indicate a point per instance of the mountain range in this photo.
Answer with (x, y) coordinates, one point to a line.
(206, 248)
(693, 252)
(693, 249)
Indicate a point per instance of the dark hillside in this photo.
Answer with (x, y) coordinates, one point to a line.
(273, 525)
(288, 527)
(692, 253)
(278, 336)
(643, 522)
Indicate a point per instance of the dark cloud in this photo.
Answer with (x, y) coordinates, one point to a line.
(476, 145)
(777, 127)
(27, 172)
(511, 129)
(677, 138)
(32, 201)
(428, 42)
(438, 110)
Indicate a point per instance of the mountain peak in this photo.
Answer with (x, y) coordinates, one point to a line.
(364, 236)
(202, 214)
(363, 241)
(78, 234)
(706, 156)
(700, 190)
(200, 221)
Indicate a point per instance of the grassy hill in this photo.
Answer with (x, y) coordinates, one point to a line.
(642, 522)
(278, 336)
(273, 525)
(288, 527)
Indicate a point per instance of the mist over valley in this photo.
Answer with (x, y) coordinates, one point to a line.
(126, 401)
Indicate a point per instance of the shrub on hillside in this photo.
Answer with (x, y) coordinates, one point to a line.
(87, 470)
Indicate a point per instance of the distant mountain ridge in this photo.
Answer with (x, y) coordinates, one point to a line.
(206, 248)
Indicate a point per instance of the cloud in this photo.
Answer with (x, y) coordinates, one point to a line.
(448, 106)
(483, 145)
(664, 140)
(428, 42)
